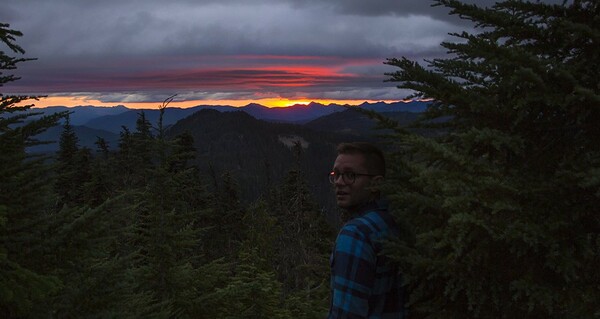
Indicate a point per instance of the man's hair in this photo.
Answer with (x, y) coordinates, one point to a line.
(374, 159)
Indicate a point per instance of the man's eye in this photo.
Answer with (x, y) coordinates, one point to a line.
(350, 175)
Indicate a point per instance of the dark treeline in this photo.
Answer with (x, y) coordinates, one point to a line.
(135, 233)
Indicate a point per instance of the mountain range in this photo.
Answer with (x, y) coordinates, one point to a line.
(91, 122)
(254, 143)
(113, 118)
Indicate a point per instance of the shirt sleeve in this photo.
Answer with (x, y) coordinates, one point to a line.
(352, 274)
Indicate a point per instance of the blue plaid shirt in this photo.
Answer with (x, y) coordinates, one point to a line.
(364, 283)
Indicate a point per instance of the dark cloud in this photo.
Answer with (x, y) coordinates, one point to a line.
(213, 73)
(208, 27)
(132, 48)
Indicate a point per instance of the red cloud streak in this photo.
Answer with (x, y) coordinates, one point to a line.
(226, 74)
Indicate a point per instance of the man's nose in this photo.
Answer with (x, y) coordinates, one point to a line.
(339, 180)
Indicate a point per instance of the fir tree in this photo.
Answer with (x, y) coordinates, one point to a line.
(101, 184)
(251, 292)
(261, 234)
(224, 219)
(86, 256)
(72, 168)
(303, 245)
(505, 205)
(135, 154)
(168, 262)
(25, 283)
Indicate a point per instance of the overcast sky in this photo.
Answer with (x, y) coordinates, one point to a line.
(124, 51)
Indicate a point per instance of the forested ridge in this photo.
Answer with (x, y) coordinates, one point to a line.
(498, 209)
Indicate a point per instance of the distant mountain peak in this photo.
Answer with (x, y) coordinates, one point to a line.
(254, 105)
(295, 106)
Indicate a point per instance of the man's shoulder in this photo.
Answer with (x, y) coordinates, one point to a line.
(376, 222)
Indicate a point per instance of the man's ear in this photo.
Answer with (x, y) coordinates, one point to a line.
(376, 181)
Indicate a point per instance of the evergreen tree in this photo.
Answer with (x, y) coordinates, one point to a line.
(102, 182)
(251, 292)
(261, 234)
(251, 289)
(25, 283)
(184, 152)
(72, 168)
(135, 246)
(305, 241)
(68, 143)
(224, 220)
(86, 256)
(504, 206)
(303, 245)
(125, 160)
(135, 154)
(168, 264)
(142, 145)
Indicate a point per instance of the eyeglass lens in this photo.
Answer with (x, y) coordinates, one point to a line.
(348, 178)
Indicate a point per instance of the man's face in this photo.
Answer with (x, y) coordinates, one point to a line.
(351, 195)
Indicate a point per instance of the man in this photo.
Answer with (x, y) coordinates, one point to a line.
(364, 283)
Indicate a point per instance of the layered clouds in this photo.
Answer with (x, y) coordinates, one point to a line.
(143, 51)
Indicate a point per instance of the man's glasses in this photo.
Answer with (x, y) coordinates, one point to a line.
(348, 177)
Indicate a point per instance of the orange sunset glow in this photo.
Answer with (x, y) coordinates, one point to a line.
(70, 101)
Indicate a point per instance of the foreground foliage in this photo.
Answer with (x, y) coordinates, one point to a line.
(135, 232)
(25, 198)
(504, 205)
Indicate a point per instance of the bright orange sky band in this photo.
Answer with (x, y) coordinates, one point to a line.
(268, 102)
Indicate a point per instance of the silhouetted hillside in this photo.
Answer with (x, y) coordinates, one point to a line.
(259, 153)
(79, 115)
(114, 123)
(87, 138)
(354, 123)
(298, 113)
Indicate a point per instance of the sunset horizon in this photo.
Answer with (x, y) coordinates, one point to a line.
(275, 54)
(71, 102)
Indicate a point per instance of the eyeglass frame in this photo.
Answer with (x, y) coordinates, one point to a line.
(333, 177)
